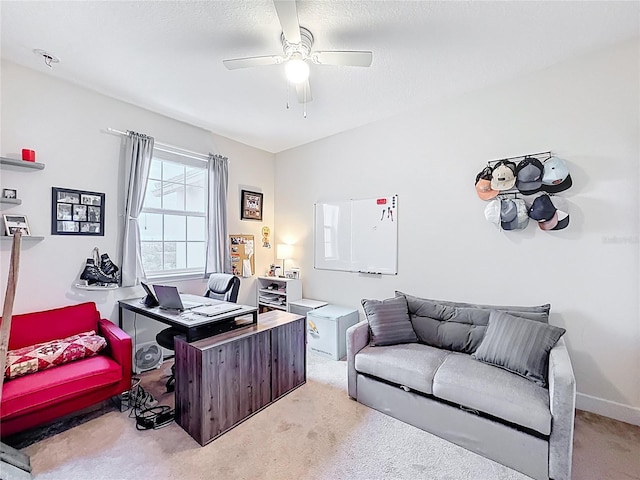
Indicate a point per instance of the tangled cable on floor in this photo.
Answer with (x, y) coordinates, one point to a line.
(145, 409)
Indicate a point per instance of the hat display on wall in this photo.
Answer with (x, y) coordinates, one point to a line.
(520, 188)
(529, 175)
(555, 177)
(503, 176)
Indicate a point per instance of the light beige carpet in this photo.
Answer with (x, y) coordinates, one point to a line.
(315, 432)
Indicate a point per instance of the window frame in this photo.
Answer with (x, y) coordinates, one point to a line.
(187, 161)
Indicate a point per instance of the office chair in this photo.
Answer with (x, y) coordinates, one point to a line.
(221, 286)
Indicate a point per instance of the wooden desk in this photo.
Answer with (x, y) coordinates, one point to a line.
(223, 380)
(193, 325)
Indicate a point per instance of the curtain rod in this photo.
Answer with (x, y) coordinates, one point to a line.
(174, 149)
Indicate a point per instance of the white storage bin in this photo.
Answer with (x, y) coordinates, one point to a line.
(326, 330)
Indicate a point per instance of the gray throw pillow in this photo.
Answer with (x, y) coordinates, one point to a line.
(519, 345)
(389, 321)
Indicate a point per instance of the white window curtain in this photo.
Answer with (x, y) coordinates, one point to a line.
(138, 153)
(218, 255)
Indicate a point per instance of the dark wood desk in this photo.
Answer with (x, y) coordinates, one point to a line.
(223, 380)
(193, 325)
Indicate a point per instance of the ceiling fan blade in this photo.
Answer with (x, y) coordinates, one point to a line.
(288, 16)
(304, 92)
(348, 58)
(234, 63)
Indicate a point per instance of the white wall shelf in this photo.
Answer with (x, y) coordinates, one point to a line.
(24, 237)
(112, 286)
(14, 162)
(12, 201)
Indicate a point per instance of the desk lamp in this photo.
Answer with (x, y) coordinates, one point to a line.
(283, 252)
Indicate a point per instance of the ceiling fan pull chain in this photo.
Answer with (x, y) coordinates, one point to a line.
(287, 95)
(304, 105)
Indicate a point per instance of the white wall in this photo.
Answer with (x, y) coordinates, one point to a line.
(585, 111)
(66, 126)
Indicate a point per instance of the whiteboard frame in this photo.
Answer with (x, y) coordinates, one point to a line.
(344, 259)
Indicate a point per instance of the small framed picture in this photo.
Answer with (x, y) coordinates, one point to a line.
(9, 193)
(76, 212)
(251, 206)
(13, 223)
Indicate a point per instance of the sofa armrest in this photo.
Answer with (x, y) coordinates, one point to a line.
(357, 339)
(562, 401)
(119, 348)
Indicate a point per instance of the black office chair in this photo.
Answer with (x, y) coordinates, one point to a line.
(221, 286)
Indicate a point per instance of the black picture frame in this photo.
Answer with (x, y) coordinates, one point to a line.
(251, 205)
(9, 193)
(77, 212)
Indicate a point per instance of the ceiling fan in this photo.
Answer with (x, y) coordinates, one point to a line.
(297, 42)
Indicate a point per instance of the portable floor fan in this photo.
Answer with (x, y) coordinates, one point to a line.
(297, 43)
(147, 356)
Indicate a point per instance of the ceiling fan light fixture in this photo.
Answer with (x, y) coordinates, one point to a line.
(297, 70)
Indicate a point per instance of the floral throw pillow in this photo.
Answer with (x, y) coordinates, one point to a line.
(42, 356)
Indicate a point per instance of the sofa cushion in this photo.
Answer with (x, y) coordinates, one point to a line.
(389, 321)
(75, 379)
(457, 326)
(411, 364)
(51, 354)
(472, 384)
(519, 345)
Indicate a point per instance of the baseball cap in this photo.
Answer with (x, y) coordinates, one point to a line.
(549, 224)
(542, 209)
(562, 210)
(503, 175)
(483, 184)
(513, 214)
(508, 214)
(529, 175)
(492, 211)
(555, 177)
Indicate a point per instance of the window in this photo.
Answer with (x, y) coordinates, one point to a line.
(173, 219)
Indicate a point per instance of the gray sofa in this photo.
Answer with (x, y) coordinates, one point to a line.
(434, 383)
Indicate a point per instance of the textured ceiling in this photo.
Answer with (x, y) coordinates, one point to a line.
(167, 56)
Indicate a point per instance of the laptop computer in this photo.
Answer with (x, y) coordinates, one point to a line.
(169, 298)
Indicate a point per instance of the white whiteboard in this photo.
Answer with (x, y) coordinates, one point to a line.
(357, 235)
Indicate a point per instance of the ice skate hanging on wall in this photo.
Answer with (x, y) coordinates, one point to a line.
(99, 272)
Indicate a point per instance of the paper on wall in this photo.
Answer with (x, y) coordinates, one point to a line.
(246, 268)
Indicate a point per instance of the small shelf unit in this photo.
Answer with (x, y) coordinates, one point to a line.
(20, 164)
(14, 162)
(276, 293)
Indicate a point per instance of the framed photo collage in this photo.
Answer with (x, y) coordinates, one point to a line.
(76, 212)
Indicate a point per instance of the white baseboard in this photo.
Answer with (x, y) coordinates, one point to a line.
(607, 408)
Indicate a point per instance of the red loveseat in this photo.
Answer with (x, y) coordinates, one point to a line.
(46, 395)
